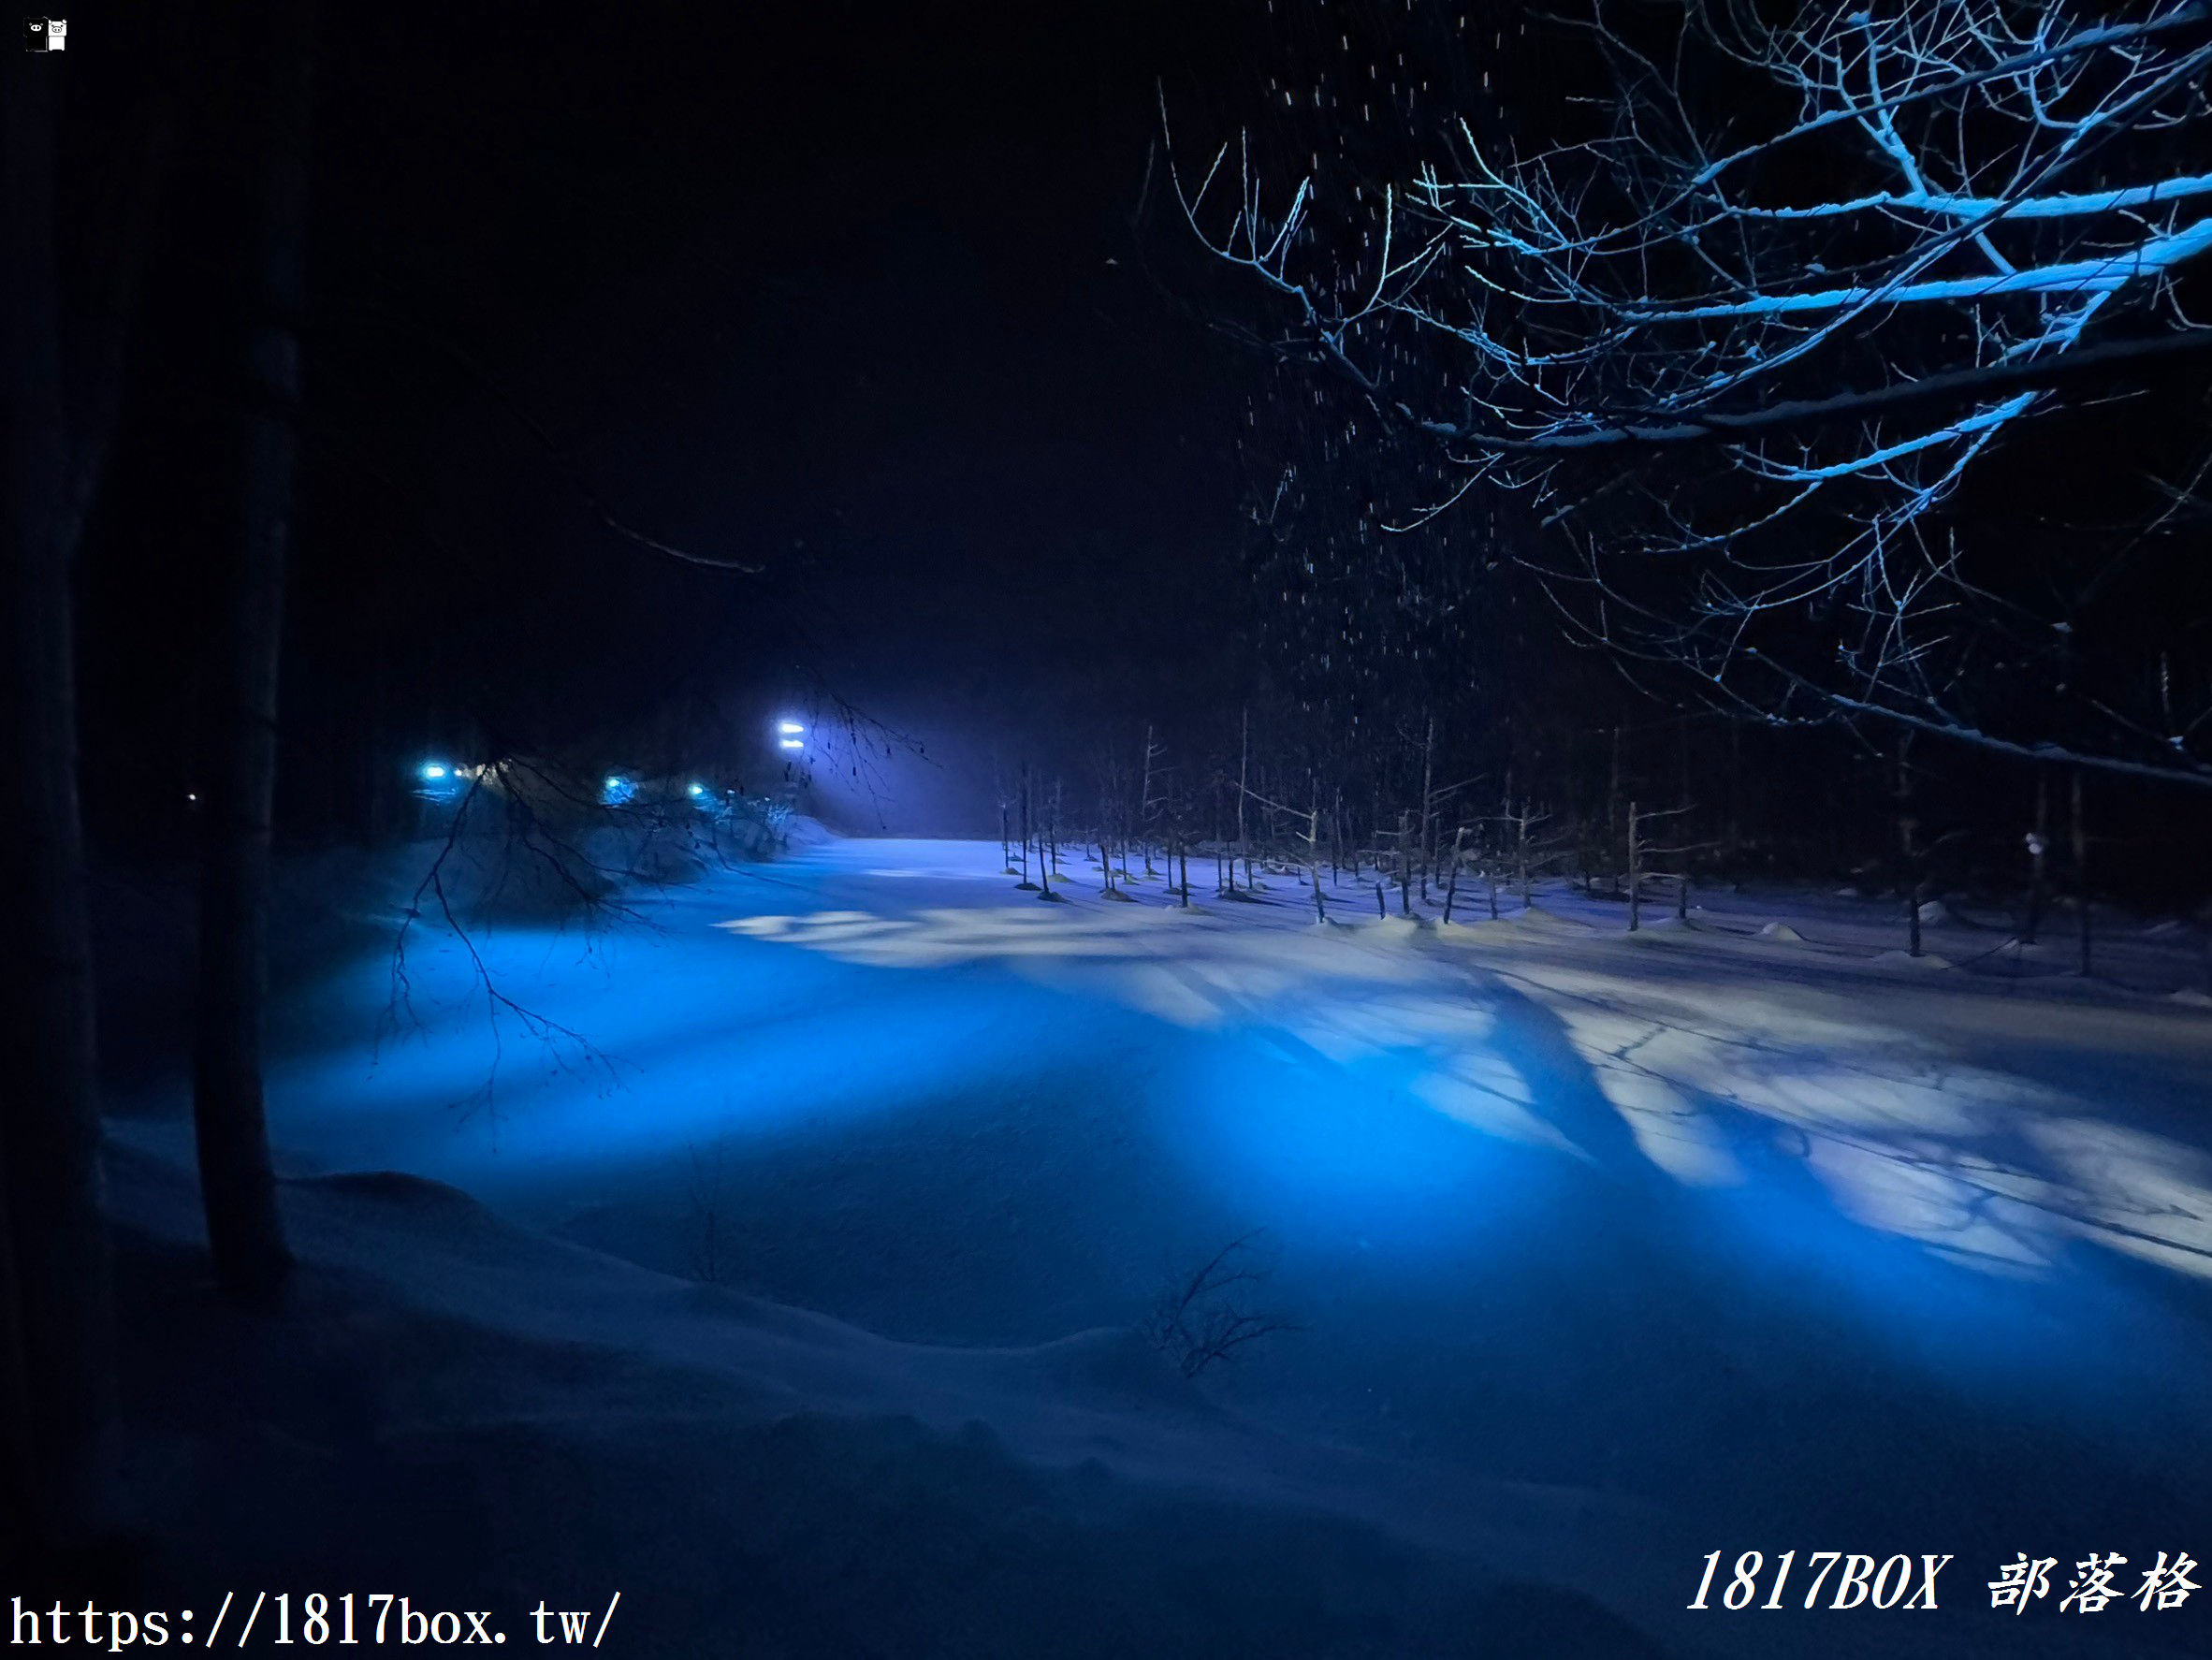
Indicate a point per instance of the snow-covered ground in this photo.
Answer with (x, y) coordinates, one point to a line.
(1595, 1254)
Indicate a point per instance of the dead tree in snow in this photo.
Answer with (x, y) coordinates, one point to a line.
(1025, 885)
(1207, 1315)
(1116, 811)
(1310, 835)
(2038, 846)
(1530, 854)
(1154, 776)
(1313, 856)
(1639, 851)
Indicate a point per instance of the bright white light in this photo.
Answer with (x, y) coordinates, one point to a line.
(793, 743)
(697, 791)
(612, 782)
(432, 770)
(789, 726)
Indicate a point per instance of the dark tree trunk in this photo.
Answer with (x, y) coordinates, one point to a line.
(2081, 868)
(1024, 883)
(1244, 783)
(1732, 837)
(1143, 806)
(57, 1352)
(1908, 829)
(237, 1184)
(1313, 854)
(1635, 872)
(2039, 845)
(1613, 794)
(1428, 850)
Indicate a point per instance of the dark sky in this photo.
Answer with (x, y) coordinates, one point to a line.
(857, 293)
(850, 291)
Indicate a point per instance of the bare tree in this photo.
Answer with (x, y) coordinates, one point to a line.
(706, 1243)
(1026, 884)
(1640, 849)
(1745, 344)
(1208, 1314)
(1151, 797)
(60, 389)
(238, 1185)
(1528, 855)
(1451, 881)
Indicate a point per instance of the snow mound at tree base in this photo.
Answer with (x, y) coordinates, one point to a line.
(1905, 959)
(1782, 931)
(1398, 927)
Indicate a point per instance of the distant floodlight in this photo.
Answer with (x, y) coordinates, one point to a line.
(432, 770)
(697, 791)
(617, 791)
(793, 743)
(791, 726)
(612, 782)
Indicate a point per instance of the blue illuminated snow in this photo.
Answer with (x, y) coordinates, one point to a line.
(1745, 1229)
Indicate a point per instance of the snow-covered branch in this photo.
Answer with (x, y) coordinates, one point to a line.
(1960, 222)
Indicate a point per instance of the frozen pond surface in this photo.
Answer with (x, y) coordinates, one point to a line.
(1593, 1253)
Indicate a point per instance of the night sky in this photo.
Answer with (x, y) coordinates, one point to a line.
(896, 305)
(860, 296)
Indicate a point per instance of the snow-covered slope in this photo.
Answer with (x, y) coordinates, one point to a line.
(1594, 1254)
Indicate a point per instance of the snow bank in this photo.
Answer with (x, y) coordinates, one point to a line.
(490, 1418)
